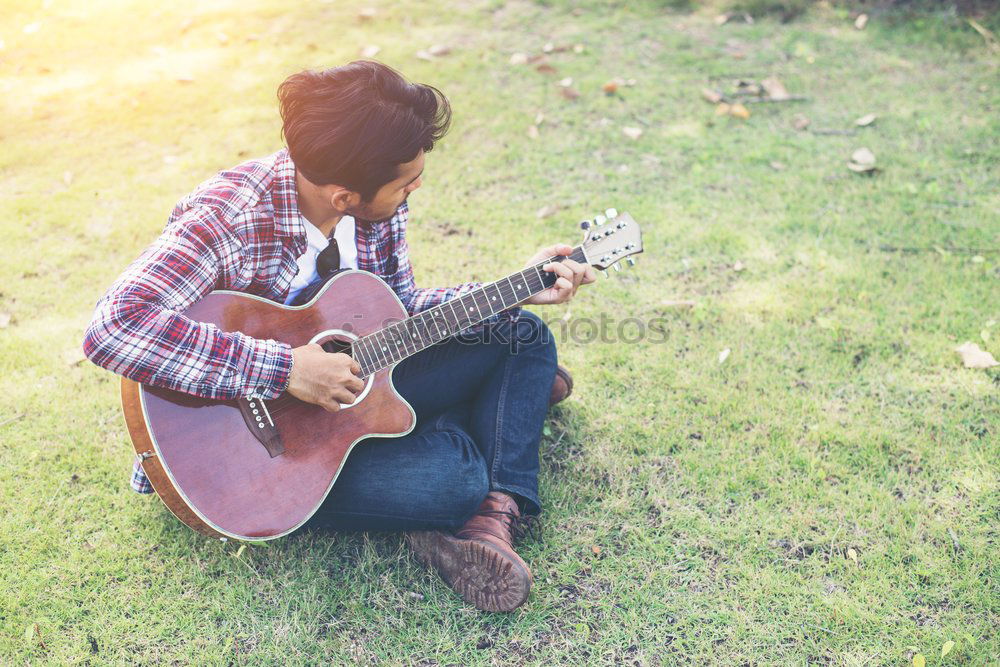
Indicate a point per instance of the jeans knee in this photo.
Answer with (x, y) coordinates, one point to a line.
(532, 333)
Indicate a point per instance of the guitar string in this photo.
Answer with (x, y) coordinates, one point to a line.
(285, 402)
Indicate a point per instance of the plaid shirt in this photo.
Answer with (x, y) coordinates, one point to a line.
(241, 231)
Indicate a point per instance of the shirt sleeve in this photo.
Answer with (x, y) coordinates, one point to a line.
(416, 299)
(138, 329)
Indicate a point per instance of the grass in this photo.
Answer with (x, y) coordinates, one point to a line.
(828, 494)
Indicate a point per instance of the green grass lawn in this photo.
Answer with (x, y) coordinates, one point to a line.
(827, 494)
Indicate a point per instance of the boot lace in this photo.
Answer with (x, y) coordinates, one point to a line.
(521, 526)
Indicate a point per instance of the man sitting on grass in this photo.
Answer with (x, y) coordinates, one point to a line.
(466, 477)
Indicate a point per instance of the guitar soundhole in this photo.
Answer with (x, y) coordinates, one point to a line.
(333, 344)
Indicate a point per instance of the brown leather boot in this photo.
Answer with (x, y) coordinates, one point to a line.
(562, 386)
(479, 561)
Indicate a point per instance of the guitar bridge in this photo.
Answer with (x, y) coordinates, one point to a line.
(258, 420)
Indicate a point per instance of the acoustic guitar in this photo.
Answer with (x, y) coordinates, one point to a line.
(253, 469)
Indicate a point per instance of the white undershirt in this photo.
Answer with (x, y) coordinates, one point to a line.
(343, 232)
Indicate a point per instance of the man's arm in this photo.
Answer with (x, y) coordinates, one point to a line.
(138, 330)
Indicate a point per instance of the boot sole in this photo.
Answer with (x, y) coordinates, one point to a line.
(477, 571)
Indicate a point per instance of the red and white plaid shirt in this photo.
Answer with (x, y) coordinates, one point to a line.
(240, 231)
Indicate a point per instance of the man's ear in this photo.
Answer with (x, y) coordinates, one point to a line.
(344, 200)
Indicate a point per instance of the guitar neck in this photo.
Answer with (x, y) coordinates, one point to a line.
(402, 339)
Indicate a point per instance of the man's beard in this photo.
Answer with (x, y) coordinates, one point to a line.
(366, 224)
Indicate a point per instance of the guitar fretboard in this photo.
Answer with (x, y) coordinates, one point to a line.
(402, 339)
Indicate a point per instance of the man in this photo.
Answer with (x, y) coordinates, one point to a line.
(465, 479)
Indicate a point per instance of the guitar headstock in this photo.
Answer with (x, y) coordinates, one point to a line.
(611, 238)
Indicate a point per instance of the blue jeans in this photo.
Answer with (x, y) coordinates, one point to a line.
(480, 401)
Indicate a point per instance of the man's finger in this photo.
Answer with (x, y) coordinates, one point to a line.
(559, 269)
(344, 396)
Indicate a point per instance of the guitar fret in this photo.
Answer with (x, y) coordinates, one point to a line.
(421, 319)
(358, 355)
(492, 299)
(410, 335)
(392, 341)
(457, 324)
(381, 349)
(400, 338)
(436, 317)
(363, 345)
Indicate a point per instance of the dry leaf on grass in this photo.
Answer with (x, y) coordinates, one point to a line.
(370, 51)
(68, 178)
(739, 266)
(739, 111)
(567, 82)
(862, 161)
(679, 303)
(366, 14)
(438, 50)
(724, 355)
(632, 132)
(547, 211)
(946, 648)
(595, 550)
(861, 21)
(777, 166)
(545, 68)
(919, 660)
(722, 19)
(975, 357)
(578, 48)
(569, 93)
(800, 122)
(519, 58)
(710, 95)
(4, 320)
(423, 54)
(532, 131)
(774, 88)
(745, 87)
(853, 555)
(866, 120)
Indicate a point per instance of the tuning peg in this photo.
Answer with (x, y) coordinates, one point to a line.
(617, 267)
(599, 220)
(605, 272)
(612, 213)
(585, 225)
(631, 261)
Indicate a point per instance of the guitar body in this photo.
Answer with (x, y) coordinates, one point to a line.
(202, 456)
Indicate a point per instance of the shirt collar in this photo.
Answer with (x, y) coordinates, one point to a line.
(285, 198)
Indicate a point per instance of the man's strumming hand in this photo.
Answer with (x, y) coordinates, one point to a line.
(323, 378)
(570, 275)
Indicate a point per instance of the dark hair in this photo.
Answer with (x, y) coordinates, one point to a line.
(354, 125)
